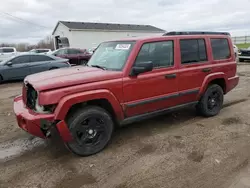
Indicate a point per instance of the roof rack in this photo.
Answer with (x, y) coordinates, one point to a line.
(195, 33)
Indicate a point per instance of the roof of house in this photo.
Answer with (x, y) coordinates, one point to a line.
(108, 26)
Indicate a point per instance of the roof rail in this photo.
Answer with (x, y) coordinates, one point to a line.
(195, 33)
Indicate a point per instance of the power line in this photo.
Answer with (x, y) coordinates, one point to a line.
(15, 18)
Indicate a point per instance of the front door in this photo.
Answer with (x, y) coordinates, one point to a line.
(19, 68)
(153, 90)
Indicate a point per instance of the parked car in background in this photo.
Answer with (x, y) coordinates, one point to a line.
(127, 81)
(244, 54)
(6, 52)
(18, 67)
(76, 56)
(40, 51)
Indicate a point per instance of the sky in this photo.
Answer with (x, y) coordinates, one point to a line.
(29, 21)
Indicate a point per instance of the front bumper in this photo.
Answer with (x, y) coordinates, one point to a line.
(243, 57)
(33, 123)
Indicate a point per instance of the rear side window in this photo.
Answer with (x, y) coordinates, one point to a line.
(73, 51)
(193, 51)
(7, 50)
(220, 48)
(37, 58)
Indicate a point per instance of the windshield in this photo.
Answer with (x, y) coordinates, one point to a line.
(111, 55)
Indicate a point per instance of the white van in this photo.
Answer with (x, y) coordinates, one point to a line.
(7, 52)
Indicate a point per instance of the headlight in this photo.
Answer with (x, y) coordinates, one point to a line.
(48, 109)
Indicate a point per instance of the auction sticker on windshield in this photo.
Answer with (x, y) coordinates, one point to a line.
(122, 46)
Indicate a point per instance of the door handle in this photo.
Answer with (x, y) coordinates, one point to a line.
(206, 70)
(168, 76)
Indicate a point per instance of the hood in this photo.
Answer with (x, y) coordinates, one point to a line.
(244, 50)
(64, 77)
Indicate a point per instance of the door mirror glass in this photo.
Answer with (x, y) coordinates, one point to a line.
(9, 63)
(141, 68)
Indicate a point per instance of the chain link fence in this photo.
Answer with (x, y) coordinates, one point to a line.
(241, 39)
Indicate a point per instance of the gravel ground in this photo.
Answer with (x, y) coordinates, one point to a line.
(175, 150)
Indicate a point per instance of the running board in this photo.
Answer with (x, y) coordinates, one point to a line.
(155, 113)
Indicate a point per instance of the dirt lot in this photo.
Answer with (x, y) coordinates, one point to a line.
(176, 150)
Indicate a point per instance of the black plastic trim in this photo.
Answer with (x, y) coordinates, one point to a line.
(153, 114)
(162, 98)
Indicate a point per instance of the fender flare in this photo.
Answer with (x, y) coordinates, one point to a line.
(209, 78)
(68, 101)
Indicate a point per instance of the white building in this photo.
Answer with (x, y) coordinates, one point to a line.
(90, 35)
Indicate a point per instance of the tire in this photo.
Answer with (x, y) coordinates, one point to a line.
(92, 128)
(241, 60)
(1, 79)
(83, 62)
(211, 102)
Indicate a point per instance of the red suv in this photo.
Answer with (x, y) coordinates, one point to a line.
(74, 55)
(127, 81)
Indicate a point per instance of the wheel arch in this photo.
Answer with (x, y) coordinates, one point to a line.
(217, 78)
(102, 98)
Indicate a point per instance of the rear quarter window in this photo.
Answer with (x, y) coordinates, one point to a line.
(193, 51)
(220, 48)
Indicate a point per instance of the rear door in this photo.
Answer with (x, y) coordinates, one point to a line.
(19, 68)
(39, 63)
(73, 56)
(194, 66)
(155, 90)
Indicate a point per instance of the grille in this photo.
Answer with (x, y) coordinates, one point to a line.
(246, 53)
(31, 96)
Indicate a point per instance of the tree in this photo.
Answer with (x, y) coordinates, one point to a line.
(22, 47)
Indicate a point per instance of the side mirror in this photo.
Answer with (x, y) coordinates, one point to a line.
(141, 68)
(9, 63)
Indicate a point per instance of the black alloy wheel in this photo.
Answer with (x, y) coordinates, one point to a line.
(91, 128)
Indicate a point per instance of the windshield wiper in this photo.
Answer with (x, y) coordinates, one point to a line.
(98, 66)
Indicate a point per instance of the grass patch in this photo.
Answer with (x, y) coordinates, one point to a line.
(243, 45)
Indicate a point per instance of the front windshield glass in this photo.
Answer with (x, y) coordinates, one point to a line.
(111, 55)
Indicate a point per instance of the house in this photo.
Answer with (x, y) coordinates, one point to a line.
(90, 35)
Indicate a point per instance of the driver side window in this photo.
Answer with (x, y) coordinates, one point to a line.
(160, 53)
(21, 60)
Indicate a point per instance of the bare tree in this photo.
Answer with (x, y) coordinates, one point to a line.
(22, 47)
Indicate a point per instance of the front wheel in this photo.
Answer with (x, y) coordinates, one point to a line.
(91, 128)
(211, 102)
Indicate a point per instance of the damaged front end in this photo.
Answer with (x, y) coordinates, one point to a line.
(36, 119)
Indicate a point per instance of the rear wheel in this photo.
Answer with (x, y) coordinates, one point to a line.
(211, 102)
(1, 79)
(92, 128)
(241, 60)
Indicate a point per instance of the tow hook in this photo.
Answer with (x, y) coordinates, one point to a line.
(46, 127)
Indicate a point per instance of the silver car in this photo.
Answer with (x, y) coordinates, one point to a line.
(20, 66)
